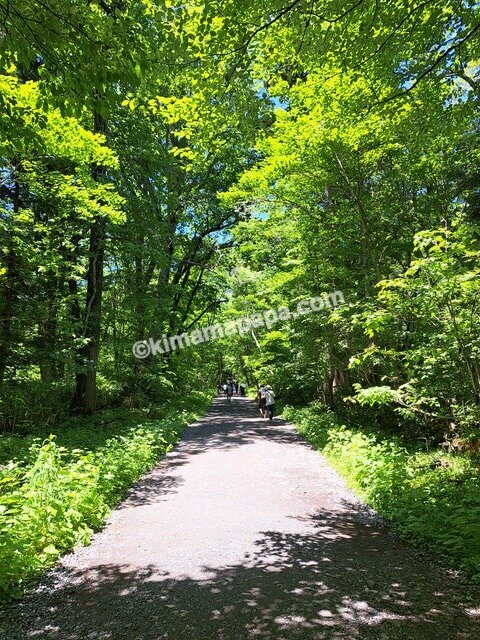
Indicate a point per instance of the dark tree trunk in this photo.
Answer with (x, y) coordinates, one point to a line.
(47, 349)
(245, 371)
(47, 338)
(7, 303)
(140, 286)
(87, 356)
(84, 399)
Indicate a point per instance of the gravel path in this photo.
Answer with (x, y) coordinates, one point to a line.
(243, 531)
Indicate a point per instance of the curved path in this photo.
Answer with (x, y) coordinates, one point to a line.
(243, 531)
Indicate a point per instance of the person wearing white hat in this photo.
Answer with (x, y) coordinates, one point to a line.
(269, 401)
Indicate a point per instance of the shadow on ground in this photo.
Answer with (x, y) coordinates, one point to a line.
(337, 583)
(340, 578)
(243, 426)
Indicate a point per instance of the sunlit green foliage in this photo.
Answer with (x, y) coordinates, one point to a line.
(62, 488)
(432, 498)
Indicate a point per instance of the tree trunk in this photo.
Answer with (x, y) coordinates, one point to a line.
(8, 303)
(84, 399)
(47, 338)
(244, 371)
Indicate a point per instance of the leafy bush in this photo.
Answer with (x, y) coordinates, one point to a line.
(55, 494)
(433, 499)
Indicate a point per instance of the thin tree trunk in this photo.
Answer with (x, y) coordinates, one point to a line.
(47, 336)
(8, 303)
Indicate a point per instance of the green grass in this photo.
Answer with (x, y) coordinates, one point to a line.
(432, 499)
(56, 489)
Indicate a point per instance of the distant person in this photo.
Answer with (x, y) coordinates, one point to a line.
(229, 391)
(236, 386)
(262, 400)
(269, 401)
(224, 387)
(243, 388)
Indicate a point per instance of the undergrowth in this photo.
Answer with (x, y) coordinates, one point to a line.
(57, 489)
(433, 499)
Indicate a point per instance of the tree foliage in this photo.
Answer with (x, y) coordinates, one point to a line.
(167, 166)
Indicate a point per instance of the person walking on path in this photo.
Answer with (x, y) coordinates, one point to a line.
(269, 401)
(229, 391)
(261, 400)
(243, 387)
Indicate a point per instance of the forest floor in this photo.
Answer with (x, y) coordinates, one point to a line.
(244, 531)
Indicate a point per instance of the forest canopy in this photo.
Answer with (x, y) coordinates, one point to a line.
(167, 166)
(171, 167)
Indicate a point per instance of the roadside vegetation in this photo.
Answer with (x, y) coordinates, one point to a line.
(58, 488)
(430, 498)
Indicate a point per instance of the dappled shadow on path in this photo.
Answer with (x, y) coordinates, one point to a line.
(153, 488)
(341, 580)
(226, 426)
(230, 425)
(331, 574)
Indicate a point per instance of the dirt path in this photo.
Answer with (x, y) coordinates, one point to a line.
(244, 531)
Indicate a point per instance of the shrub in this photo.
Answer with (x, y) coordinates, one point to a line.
(55, 495)
(433, 499)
